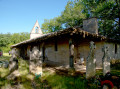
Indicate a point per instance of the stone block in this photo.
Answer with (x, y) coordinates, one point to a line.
(90, 25)
(90, 64)
(105, 60)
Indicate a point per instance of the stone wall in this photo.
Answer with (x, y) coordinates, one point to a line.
(81, 51)
(111, 51)
(60, 56)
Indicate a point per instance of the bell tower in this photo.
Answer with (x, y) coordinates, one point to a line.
(36, 31)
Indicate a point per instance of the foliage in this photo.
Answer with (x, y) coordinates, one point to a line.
(52, 25)
(6, 40)
(107, 12)
(20, 37)
(71, 16)
(109, 19)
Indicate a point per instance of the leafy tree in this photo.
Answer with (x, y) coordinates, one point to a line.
(71, 16)
(108, 14)
(19, 37)
(6, 40)
(15, 38)
(52, 25)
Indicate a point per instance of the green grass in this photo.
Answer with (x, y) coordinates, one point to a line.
(115, 72)
(65, 82)
(5, 56)
(48, 81)
(53, 80)
(23, 66)
(25, 79)
(3, 72)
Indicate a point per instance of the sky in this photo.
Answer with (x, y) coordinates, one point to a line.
(20, 15)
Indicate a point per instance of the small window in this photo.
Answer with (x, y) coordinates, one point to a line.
(115, 48)
(36, 29)
(56, 48)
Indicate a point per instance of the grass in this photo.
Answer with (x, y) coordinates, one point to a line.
(25, 80)
(48, 81)
(5, 56)
(65, 82)
(3, 71)
(115, 72)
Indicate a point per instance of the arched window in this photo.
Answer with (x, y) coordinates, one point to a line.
(36, 30)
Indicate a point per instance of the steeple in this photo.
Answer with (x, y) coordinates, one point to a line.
(36, 31)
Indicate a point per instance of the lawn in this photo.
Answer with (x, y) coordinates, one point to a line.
(5, 56)
(49, 80)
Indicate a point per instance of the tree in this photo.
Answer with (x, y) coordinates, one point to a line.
(6, 40)
(71, 16)
(107, 12)
(19, 37)
(52, 25)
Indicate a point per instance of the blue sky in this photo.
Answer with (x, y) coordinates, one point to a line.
(21, 15)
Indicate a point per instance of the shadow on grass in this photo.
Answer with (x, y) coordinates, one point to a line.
(24, 81)
(20, 83)
(65, 82)
(5, 58)
(2, 82)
